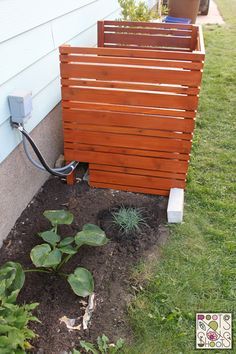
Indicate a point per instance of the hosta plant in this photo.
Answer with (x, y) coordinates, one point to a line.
(50, 256)
(14, 319)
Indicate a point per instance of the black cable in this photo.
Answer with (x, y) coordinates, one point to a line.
(40, 157)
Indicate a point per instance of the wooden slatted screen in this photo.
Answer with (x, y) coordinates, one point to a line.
(130, 112)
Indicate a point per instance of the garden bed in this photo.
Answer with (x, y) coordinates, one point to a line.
(111, 264)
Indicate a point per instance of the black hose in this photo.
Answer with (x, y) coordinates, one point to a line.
(40, 157)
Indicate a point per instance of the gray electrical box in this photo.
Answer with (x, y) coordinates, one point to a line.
(20, 103)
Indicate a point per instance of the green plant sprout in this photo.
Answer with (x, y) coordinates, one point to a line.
(49, 257)
(14, 319)
(128, 219)
(102, 347)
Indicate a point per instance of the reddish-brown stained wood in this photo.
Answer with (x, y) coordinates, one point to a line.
(87, 94)
(132, 161)
(136, 171)
(137, 86)
(134, 180)
(128, 120)
(129, 109)
(142, 121)
(142, 53)
(100, 34)
(129, 141)
(131, 131)
(129, 73)
(189, 65)
(71, 179)
(143, 40)
(126, 151)
(162, 31)
(146, 24)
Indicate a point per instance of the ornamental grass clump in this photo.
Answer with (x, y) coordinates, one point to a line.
(128, 219)
(50, 256)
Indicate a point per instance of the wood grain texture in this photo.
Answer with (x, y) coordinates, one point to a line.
(132, 161)
(130, 113)
(126, 151)
(125, 119)
(135, 180)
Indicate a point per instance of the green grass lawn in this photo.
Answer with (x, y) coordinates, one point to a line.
(197, 271)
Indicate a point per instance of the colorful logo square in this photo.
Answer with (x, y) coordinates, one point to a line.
(213, 331)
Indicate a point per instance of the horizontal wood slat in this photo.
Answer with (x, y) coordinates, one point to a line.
(129, 109)
(134, 180)
(147, 40)
(146, 24)
(131, 74)
(130, 53)
(136, 171)
(129, 141)
(132, 161)
(130, 130)
(188, 65)
(130, 112)
(137, 86)
(126, 151)
(119, 119)
(125, 97)
(156, 30)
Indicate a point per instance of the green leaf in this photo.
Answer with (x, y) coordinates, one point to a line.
(91, 235)
(66, 241)
(68, 250)
(59, 217)
(103, 344)
(75, 351)
(31, 306)
(50, 237)
(81, 282)
(43, 256)
(89, 347)
(119, 345)
(12, 278)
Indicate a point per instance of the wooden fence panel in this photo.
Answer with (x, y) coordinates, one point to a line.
(128, 112)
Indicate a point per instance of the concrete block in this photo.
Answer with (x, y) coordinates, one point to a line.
(175, 208)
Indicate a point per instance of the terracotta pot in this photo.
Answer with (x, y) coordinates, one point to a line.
(184, 8)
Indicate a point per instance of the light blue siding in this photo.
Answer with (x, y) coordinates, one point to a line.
(21, 51)
(18, 16)
(30, 33)
(48, 67)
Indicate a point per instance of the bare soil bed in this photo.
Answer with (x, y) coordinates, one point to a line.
(111, 264)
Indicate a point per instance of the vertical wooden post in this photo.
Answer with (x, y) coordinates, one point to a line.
(100, 33)
(71, 179)
(194, 36)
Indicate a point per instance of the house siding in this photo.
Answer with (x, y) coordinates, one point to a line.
(30, 33)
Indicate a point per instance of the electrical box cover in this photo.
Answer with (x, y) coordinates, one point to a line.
(20, 103)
